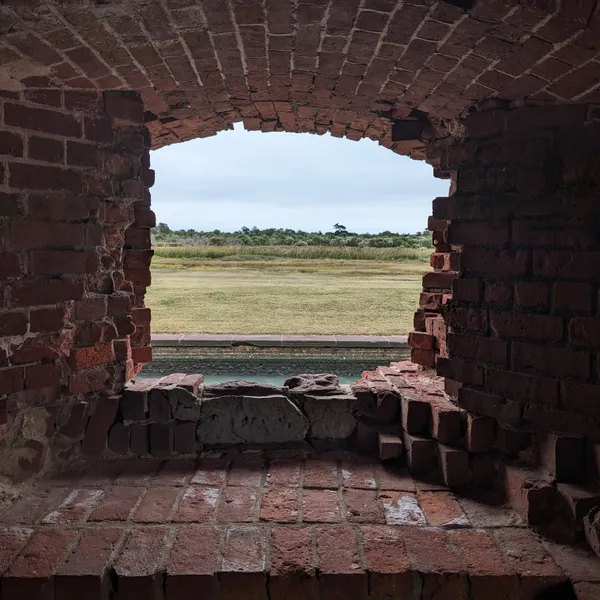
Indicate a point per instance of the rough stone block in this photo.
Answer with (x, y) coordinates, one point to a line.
(321, 384)
(118, 438)
(184, 441)
(139, 442)
(161, 439)
(250, 420)
(331, 417)
(185, 406)
(241, 388)
(192, 383)
(134, 404)
(159, 404)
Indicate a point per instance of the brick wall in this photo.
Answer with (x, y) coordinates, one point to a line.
(523, 324)
(73, 171)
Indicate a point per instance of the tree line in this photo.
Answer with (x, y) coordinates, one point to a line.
(163, 235)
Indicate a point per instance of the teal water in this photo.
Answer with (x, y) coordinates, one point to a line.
(269, 379)
(272, 365)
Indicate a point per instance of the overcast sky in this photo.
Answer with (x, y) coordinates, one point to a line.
(290, 180)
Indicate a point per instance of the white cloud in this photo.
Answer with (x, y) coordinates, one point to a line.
(300, 181)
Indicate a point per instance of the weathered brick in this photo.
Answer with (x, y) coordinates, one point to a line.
(137, 566)
(193, 563)
(86, 571)
(31, 573)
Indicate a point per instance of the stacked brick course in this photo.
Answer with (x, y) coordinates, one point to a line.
(73, 165)
(273, 525)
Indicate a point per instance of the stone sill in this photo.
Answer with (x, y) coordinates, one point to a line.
(278, 341)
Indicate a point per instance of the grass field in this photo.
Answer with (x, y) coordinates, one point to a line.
(285, 290)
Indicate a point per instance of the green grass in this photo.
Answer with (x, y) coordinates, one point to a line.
(245, 253)
(290, 294)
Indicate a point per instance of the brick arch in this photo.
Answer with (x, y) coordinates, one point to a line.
(202, 65)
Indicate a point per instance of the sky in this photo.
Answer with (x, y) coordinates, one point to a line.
(289, 180)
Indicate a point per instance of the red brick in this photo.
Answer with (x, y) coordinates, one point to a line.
(193, 563)
(282, 472)
(40, 119)
(11, 143)
(31, 234)
(483, 350)
(513, 325)
(321, 474)
(13, 323)
(489, 574)
(320, 506)
(342, 574)
(243, 566)
(563, 456)
(357, 474)
(527, 557)
(10, 265)
(480, 433)
(86, 571)
(81, 154)
(88, 380)
(38, 177)
(211, 471)
(441, 281)
(547, 360)
(31, 573)
(438, 561)
(419, 340)
(138, 565)
(198, 504)
(157, 505)
(280, 504)
(390, 573)
(76, 506)
(48, 319)
(488, 233)
(12, 539)
(363, 506)
(455, 465)
(572, 297)
(247, 472)
(238, 505)
(442, 509)
(292, 574)
(531, 494)
(117, 504)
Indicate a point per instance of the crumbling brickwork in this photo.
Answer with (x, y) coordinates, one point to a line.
(74, 169)
(509, 314)
(523, 319)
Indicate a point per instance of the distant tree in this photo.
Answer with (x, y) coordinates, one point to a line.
(163, 228)
(340, 229)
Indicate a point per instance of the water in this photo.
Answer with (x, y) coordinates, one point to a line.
(268, 365)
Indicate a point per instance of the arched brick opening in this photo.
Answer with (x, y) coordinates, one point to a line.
(504, 97)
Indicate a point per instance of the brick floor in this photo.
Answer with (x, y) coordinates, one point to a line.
(274, 525)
